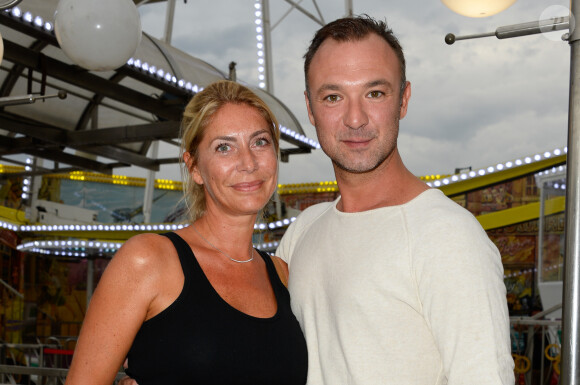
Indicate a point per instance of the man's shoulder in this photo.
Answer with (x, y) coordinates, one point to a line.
(313, 212)
(433, 210)
(300, 226)
(435, 201)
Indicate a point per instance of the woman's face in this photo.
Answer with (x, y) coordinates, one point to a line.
(236, 161)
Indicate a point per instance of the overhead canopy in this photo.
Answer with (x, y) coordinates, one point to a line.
(109, 119)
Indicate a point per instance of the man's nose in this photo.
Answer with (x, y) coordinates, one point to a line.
(355, 116)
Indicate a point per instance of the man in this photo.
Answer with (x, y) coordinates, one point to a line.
(393, 283)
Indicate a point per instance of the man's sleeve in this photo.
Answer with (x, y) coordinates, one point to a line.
(460, 283)
(285, 248)
(294, 232)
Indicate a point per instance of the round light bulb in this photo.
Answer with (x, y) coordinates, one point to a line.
(98, 35)
(478, 8)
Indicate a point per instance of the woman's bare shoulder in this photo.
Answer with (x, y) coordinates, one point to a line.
(145, 250)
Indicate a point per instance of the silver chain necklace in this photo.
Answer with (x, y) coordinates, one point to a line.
(232, 259)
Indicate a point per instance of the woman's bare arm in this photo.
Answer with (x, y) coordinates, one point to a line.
(117, 309)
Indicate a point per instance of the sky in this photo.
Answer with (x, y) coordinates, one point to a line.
(474, 104)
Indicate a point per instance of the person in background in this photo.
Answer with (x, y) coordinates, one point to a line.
(392, 283)
(201, 305)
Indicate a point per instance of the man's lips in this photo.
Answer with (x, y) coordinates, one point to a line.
(356, 143)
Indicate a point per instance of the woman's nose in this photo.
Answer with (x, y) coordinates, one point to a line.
(247, 161)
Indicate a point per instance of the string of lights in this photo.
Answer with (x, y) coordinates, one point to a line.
(260, 44)
(499, 167)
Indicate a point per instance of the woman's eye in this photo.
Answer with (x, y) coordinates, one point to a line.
(223, 147)
(262, 142)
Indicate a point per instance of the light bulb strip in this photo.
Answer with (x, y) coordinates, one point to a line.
(126, 227)
(162, 184)
(27, 181)
(499, 167)
(83, 248)
(300, 137)
(9, 226)
(29, 18)
(259, 21)
(163, 75)
(533, 270)
(554, 178)
(520, 273)
(101, 227)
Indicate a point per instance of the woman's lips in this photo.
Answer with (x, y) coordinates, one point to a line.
(248, 186)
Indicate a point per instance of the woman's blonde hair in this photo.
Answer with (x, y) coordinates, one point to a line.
(197, 117)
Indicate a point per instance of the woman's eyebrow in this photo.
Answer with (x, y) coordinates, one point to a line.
(259, 132)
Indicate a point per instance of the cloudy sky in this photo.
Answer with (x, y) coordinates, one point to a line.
(475, 103)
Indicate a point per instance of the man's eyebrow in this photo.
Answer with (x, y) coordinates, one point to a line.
(373, 83)
(379, 82)
(328, 87)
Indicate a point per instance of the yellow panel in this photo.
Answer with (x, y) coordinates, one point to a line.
(478, 182)
(521, 213)
(12, 215)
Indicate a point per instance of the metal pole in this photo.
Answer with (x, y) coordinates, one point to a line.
(90, 280)
(169, 21)
(571, 293)
(305, 12)
(540, 259)
(532, 28)
(348, 8)
(150, 186)
(267, 47)
(517, 30)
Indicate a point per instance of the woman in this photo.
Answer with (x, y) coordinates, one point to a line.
(201, 305)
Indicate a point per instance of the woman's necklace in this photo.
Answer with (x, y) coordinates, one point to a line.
(233, 259)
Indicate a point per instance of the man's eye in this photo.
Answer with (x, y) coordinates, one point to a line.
(375, 94)
(332, 98)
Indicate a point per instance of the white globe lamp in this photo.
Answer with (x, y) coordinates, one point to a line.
(99, 35)
(478, 8)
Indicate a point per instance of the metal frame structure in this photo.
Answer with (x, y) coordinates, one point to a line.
(153, 104)
(269, 27)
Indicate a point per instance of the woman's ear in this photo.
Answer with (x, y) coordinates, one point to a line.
(189, 161)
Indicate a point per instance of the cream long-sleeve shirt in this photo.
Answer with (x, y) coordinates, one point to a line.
(409, 294)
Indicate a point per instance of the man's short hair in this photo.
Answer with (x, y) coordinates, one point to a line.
(354, 29)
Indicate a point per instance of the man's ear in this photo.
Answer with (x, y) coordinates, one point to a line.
(405, 100)
(189, 161)
(309, 109)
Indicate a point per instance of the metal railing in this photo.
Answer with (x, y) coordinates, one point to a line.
(42, 363)
(536, 346)
(14, 374)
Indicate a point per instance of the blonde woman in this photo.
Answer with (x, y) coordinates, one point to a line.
(201, 305)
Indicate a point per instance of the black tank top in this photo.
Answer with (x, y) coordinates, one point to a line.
(201, 339)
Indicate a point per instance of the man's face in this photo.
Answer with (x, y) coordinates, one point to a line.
(355, 102)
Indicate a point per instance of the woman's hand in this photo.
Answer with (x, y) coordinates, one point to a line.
(127, 380)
